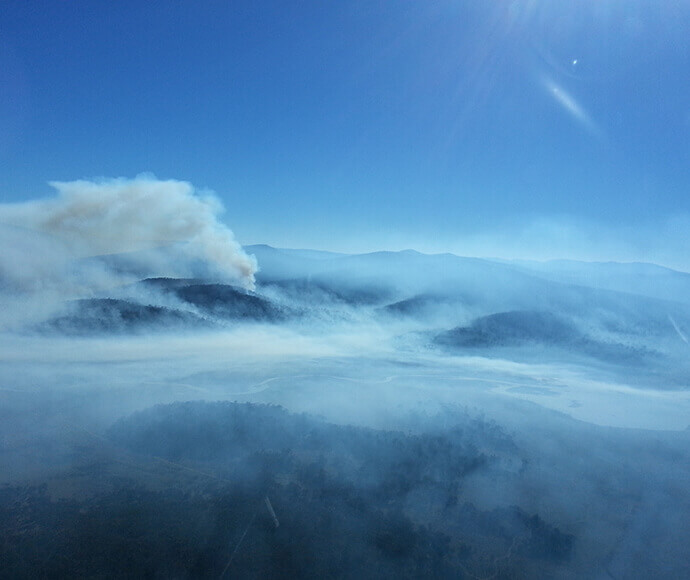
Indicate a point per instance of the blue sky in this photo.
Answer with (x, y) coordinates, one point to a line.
(517, 128)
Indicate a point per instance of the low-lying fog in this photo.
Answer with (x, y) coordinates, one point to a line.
(464, 417)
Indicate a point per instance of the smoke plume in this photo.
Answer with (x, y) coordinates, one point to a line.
(95, 218)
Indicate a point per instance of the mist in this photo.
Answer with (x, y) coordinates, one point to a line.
(176, 405)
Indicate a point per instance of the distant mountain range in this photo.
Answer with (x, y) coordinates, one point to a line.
(417, 269)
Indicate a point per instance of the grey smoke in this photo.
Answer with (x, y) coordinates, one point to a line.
(95, 218)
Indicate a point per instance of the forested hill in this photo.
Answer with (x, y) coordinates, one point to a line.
(183, 491)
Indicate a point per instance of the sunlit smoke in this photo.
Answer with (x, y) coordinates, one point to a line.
(91, 218)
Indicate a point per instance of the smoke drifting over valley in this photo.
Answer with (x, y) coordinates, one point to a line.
(175, 405)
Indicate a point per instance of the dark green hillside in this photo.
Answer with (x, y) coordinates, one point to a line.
(229, 302)
(513, 328)
(538, 328)
(180, 491)
(109, 315)
(219, 300)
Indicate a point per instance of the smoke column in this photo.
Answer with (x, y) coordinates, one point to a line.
(91, 218)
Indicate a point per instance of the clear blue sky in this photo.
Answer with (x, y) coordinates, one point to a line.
(356, 125)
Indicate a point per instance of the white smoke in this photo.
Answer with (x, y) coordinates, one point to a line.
(92, 218)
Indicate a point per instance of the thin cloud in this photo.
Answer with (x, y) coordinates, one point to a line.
(571, 106)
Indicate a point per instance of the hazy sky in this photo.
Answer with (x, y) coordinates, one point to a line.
(459, 125)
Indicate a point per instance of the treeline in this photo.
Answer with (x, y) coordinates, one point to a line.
(350, 502)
